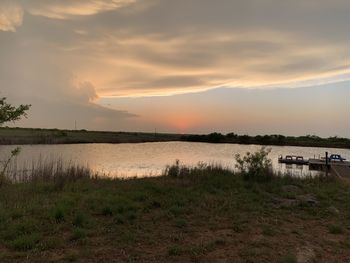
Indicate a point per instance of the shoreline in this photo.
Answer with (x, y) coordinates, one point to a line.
(32, 136)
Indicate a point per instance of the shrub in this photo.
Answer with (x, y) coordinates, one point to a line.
(173, 170)
(255, 166)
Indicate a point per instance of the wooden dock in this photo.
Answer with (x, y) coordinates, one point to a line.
(333, 164)
(340, 169)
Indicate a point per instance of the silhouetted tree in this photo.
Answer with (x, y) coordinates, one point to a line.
(231, 135)
(11, 113)
(244, 139)
(215, 137)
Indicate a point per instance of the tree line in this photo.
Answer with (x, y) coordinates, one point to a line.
(274, 139)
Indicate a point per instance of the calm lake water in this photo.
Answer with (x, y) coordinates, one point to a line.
(150, 159)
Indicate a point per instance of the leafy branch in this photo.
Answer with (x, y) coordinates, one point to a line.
(11, 113)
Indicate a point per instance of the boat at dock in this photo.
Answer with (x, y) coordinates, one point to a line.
(293, 159)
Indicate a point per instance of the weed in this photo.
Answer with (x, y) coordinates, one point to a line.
(336, 229)
(25, 242)
(72, 257)
(176, 210)
(290, 258)
(78, 234)
(268, 231)
(79, 220)
(131, 216)
(175, 251)
(180, 223)
(107, 211)
(119, 219)
(59, 214)
(220, 242)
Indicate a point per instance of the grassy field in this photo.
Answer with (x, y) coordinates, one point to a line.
(55, 136)
(205, 214)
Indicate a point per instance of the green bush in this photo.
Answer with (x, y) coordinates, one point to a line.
(255, 166)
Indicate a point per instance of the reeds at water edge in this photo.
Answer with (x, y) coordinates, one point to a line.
(53, 170)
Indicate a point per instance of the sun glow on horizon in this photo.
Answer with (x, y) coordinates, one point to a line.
(179, 122)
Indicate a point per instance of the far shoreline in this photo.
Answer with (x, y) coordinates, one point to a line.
(33, 136)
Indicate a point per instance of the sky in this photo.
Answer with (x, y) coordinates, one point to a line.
(187, 66)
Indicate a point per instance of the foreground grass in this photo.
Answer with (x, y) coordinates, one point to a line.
(208, 215)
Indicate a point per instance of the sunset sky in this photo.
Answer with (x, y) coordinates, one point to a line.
(189, 66)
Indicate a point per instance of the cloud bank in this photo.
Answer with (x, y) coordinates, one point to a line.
(11, 16)
(66, 9)
(56, 51)
(140, 48)
(30, 74)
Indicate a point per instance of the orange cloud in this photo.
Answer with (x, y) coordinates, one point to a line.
(149, 65)
(11, 16)
(65, 9)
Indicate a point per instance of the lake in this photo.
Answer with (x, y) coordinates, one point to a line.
(150, 159)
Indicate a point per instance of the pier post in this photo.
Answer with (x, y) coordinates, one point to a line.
(326, 163)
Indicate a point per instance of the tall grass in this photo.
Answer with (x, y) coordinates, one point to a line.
(181, 170)
(56, 171)
(251, 167)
